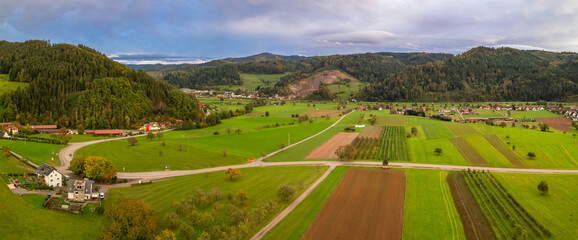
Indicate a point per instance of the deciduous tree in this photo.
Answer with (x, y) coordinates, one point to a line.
(286, 192)
(132, 141)
(438, 151)
(77, 165)
(345, 152)
(531, 155)
(99, 169)
(232, 172)
(129, 219)
(543, 187)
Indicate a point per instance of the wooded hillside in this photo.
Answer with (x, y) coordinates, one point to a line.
(78, 86)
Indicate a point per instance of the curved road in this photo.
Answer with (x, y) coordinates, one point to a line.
(67, 153)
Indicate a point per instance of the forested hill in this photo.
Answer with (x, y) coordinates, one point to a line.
(75, 86)
(483, 74)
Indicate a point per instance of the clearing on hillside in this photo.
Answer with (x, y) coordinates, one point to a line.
(476, 225)
(391, 120)
(327, 150)
(321, 113)
(468, 152)
(306, 86)
(510, 155)
(560, 123)
(371, 132)
(367, 204)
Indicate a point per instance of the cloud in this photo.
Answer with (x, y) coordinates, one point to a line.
(369, 37)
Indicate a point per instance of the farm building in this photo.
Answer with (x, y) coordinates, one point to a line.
(108, 132)
(51, 176)
(9, 128)
(44, 128)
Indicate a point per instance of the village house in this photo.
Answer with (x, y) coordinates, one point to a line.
(51, 176)
(80, 190)
(9, 128)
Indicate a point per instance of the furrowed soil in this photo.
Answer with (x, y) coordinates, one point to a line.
(510, 155)
(327, 150)
(560, 123)
(468, 152)
(367, 204)
(476, 225)
(371, 132)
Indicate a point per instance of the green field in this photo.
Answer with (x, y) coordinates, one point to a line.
(35, 152)
(294, 225)
(24, 218)
(12, 165)
(252, 81)
(6, 85)
(557, 210)
(428, 202)
(261, 185)
(431, 128)
(491, 154)
(344, 91)
(422, 151)
(75, 137)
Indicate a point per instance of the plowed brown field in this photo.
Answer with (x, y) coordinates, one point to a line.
(367, 204)
(476, 225)
(327, 150)
(469, 152)
(371, 132)
(560, 123)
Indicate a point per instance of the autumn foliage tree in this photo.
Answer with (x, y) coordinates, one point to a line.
(129, 219)
(232, 172)
(345, 152)
(99, 169)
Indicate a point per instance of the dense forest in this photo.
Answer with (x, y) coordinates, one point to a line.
(483, 74)
(75, 86)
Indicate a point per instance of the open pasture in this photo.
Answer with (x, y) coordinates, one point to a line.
(475, 223)
(260, 184)
(432, 128)
(391, 121)
(557, 210)
(6, 85)
(37, 153)
(367, 204)
(13, 165)
(559, 123)
(437, 210)
(488, 152)
(468, 152)
(422, 151)
(327, 150)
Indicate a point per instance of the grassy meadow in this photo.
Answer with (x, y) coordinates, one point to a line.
(252, 81)
(428, 202)
(35, 152)
(557, 210)
(12, 165)
(23, 217)
(260, 184)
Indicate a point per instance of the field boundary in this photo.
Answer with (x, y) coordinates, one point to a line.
(448, 203)
(469, 152)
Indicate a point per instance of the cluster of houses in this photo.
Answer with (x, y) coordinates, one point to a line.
(571, 113)
(77, 190)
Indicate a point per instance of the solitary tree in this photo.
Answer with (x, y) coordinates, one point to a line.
(238, 131)
(531, 155)
(224, 152)
(160, 135)
(386, 161)
(150, 136)
(345, 152)
(543, 187)
(286, 192)
(267, 114)
(132, 141)
(99, 169)
(232, 172)
(129, 219)
(414, 131)
(438, 151)
(544, 127)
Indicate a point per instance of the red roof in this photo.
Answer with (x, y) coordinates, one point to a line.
(43, 127)
(108, 132)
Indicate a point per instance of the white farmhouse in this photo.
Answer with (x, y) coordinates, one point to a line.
(51, 176)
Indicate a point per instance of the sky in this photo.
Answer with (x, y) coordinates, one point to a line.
(179, 31)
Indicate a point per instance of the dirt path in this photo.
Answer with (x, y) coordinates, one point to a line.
(367, 204)
(292, 206)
